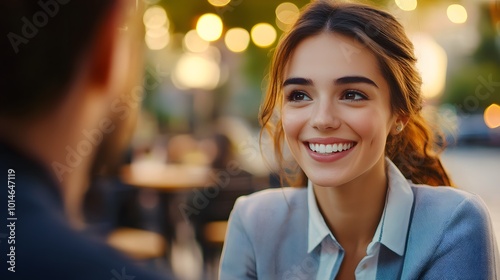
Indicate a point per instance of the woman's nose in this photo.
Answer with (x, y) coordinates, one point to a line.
(324, 116)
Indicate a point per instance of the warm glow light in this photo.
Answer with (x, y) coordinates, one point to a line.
(457, 13)
(156, 22)
(237, 39)
(157, 38)
(263, 34)
(209, 27)
(287, 13)
(155, 17)
(194, 43)
(432, 63)
(407, 5)
(282, 26)
(157, 32)
(492, 116)
(155, 41)
(196, 71)
(219, 3)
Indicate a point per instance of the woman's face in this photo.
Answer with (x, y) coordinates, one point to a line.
(336, 110)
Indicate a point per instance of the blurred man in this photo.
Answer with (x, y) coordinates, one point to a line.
(69, 92)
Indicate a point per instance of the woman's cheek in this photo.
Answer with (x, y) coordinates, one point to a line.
(292, 121)
(367, 123)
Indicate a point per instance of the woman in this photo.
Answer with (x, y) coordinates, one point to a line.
(344, 94)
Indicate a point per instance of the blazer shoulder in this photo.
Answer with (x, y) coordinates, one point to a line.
(271, 206)
(450, 233)
(442, 212)
(447, 200)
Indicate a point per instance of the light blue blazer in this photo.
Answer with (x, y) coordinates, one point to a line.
(449, 237)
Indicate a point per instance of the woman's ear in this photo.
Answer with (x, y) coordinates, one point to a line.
(399, 124)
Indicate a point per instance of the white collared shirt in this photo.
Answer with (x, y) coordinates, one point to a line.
(391, 230)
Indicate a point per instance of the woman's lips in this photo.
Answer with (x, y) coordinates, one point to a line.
(328, 151)
(330, 148)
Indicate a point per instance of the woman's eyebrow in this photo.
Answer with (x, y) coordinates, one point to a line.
(354, 80)
(298, 81)
(340, 81)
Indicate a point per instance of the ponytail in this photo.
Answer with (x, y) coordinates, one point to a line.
(415, 151)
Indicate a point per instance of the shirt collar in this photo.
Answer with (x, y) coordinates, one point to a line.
(393, 226)
(317, 226)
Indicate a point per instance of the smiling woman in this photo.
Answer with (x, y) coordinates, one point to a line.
(345, 97)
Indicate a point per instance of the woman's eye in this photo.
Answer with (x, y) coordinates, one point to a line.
(354, 95)
(298, 96)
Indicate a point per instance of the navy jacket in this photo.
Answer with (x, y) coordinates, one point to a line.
(44, 245)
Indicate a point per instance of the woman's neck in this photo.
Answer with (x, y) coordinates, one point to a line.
(352, 211)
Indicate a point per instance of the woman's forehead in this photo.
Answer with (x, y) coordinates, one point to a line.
(333, 53)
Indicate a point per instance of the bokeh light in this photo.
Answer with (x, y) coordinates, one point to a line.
(432, 63)
(209, 27)
(155, 17)
(219, 3)
(492, 116)
(407, 5)
(198, 71)
(156, 22)
(237, 39)
(157, 32)
(457, 13)
(157, 38)
(194, 43)
(287, 13)
(263, 34)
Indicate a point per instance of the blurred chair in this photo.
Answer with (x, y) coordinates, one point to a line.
(215, 232)
(230, 182)
(115, 213)
(138, 244)
(211, 222)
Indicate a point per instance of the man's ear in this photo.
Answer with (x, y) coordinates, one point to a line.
(103, 45)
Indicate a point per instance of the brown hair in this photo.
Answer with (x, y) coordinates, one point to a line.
(415, 150)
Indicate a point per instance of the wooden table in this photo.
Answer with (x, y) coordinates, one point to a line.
(167, 177)
(172, 183)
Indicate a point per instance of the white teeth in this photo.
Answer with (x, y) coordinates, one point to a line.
(330, 148)
(322, 148)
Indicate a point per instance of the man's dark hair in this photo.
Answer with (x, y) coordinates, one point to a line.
(42, 43)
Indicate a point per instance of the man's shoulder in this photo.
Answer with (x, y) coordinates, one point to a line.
(73, 255)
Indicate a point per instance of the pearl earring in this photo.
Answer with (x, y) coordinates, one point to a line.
(399, 128)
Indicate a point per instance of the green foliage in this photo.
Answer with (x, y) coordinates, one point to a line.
(476, 84)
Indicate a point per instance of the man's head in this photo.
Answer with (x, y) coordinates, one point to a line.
(41, 48)
(69, 59)
(70, 87)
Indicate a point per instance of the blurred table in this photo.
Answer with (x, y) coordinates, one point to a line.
(172, 184)
(167, 177)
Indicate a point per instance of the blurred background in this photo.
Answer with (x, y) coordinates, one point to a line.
(196, 147)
